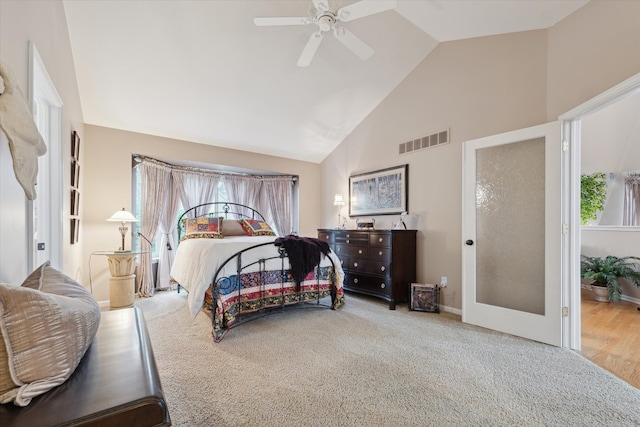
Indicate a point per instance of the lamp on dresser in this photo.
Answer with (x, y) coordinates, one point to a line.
(339, 202)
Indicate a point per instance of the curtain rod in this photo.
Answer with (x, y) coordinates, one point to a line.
(140, 159)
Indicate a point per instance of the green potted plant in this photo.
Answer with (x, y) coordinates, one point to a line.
(605, 272)
(593, 193)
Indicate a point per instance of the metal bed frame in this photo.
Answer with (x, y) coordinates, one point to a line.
(224, 284)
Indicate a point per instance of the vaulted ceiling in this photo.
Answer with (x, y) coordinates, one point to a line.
(201, 71)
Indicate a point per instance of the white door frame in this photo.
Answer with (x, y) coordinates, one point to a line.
(571, 122)
(546, 327)
(42, 88)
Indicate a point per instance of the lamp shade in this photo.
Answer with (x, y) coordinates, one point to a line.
(122, 216)
(338, 200)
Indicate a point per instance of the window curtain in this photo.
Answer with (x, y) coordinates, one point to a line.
(156, 180)
(276, 197)
(244, 190)
(167, 227)
(195, 187)
(631, 214)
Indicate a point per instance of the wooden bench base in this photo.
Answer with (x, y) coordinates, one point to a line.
(115, 384)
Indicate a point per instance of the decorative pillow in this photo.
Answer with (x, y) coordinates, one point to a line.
(254, 227)
(232, 227)
(45, 332)
(198, 228)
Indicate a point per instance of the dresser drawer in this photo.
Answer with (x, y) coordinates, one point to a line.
(380, 254)
(357, 264)
(380, 239)
(368, 284)
(344, 261)
(326, 236)
(351, 237)
(350, 250)
(382, 268)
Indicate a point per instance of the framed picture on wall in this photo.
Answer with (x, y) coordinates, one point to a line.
(75, 146)
(381, 192)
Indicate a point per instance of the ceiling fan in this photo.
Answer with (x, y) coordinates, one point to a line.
(326, 20)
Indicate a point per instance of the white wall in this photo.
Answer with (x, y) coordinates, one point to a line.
(610, 143)
(44, 23)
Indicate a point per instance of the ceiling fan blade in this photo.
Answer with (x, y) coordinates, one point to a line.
(356, 45)
(364, 8)
(310, 49)
(321, 5)
(267, 22)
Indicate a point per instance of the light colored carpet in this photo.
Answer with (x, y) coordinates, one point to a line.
(369, 366)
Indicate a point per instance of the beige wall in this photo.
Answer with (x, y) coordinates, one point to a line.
(106, 186)
(477, 88)
(590, 51)
(44, 23)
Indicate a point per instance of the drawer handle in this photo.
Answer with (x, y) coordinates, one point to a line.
(347, 240)
(382, 268)
(380, 239)
(348, 235)
(326, 237)
(359, 251)
(382, 285)
(355, 264)
(380, 253)
(355, 280)
(339, 249)
(341, 262)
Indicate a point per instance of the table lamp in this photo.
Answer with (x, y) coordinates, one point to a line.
(339, 202)
(123, 217)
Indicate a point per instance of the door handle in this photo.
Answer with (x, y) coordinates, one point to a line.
(469, 242)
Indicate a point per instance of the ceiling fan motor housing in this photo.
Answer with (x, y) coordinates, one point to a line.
(326, 21)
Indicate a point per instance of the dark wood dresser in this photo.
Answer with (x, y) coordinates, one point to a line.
(380, 263)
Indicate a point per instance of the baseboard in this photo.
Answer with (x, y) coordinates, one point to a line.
(452, 310)
(622, 297)
(104, 305)
(630, 299)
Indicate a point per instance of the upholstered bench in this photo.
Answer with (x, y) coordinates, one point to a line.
(115, 384)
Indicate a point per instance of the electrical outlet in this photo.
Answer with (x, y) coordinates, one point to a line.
(443, 282)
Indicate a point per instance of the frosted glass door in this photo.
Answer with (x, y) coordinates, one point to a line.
(512, 233)
(509, 220)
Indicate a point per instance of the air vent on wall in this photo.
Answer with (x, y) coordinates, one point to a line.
(428, 141)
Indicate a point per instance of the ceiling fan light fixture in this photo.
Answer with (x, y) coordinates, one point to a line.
(325, 22)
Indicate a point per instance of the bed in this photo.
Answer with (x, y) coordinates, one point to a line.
(246, 271)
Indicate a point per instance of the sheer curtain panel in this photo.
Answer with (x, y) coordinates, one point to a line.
(156, 181)
(631, 214)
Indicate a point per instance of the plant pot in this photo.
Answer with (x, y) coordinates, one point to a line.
(600, 293)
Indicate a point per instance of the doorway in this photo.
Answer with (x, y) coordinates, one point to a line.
(572, 132)
(45, 212)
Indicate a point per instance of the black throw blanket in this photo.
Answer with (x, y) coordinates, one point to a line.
(304, 254)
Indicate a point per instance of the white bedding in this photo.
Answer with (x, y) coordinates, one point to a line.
(197, 260)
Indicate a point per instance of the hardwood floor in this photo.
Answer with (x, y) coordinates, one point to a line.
(611, 337)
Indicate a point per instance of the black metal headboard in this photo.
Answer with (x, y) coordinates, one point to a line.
(226, 210)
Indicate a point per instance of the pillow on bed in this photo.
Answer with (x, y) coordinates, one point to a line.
(203, 228)
(232, 227)
(45, 330)
(254, 227)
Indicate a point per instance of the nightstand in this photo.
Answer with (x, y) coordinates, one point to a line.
(122, 284)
